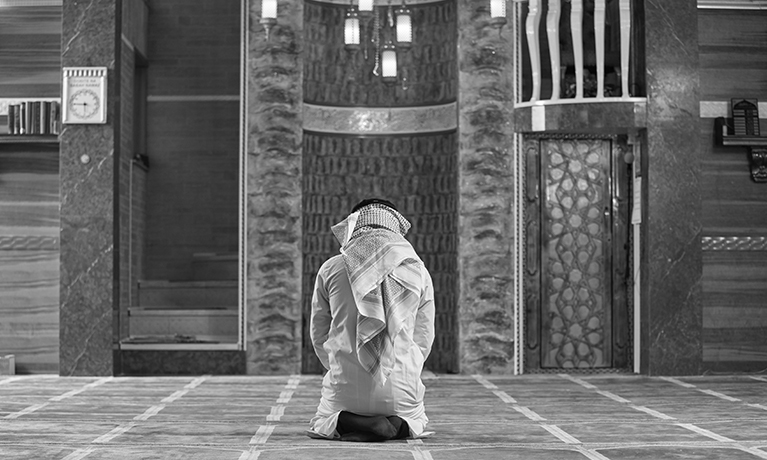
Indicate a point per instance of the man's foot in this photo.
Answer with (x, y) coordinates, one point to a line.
(361, 437)
(375, 428)
(403, 430)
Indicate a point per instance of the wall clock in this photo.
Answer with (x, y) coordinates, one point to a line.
(84, 95)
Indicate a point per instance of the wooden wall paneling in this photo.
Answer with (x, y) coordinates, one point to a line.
(29, 256)
(30, 51)
(734, 312)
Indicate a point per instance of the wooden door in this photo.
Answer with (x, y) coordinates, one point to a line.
(577, 307)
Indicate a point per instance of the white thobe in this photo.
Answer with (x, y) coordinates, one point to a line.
(347, 385)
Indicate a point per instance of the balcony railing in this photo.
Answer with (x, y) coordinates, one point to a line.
(584, 55)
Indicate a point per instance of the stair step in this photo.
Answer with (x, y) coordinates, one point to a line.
(169, 322)
(215, 266)
(187, 294)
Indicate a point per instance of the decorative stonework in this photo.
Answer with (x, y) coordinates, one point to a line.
(274, 139)
(734, 243)
(371, 120)
(486, 222)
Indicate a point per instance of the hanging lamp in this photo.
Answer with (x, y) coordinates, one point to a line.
(352, 29)
(389, 63)
(404, 26)
(268, 15)
(498, 13)
(365, 7)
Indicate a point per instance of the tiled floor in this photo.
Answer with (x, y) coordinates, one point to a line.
(491, 417)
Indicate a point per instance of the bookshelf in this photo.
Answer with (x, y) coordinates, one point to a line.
(29, 139)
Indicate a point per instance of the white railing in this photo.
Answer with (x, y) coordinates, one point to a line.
(553, 14)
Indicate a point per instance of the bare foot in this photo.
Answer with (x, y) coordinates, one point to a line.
(361, 437)
(377, 427)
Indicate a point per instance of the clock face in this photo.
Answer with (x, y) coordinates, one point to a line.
(84, 103)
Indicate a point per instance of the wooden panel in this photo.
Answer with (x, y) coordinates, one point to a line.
(30, 52)
(734, 306)
(29, 256)
(733, 54)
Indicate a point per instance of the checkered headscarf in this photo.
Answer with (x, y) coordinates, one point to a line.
(385, 275)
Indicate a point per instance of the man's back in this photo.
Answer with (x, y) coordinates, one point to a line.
(372, 327)
(347, 382)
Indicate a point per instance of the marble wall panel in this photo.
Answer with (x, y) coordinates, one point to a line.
(274, 138)
(671, 287)
(486, 192)
(88, 253)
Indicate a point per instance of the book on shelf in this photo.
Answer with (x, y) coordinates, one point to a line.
(34, 117)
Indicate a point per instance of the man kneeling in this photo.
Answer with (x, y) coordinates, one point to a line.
(372, 327)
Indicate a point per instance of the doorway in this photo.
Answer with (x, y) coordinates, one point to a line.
(577, 251)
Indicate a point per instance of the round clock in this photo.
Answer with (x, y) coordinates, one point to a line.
(84, 103)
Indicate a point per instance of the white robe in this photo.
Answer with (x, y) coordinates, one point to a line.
(347, 385)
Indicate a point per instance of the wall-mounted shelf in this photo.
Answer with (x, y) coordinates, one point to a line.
(29, 139)
(756, 145)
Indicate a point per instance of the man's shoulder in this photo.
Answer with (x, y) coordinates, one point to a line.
(334, 263)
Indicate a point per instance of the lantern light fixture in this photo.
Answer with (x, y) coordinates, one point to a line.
(365, 7)
(268, 15)
(389, 63)
(352, 29)
(498, 13)
(404, 26)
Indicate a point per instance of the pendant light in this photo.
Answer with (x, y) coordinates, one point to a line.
(365, 7)
(389, 63)
(352, 29)
(268, 15)
(498, 13)
(404, 26)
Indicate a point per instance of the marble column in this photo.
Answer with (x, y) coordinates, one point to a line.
(671, 233)
(88, 286)
(274, 146)
(486, 191)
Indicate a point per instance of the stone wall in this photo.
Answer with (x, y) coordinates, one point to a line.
(274, 143)
(485, 228)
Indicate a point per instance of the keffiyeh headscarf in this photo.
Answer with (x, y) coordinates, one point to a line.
(385, 275)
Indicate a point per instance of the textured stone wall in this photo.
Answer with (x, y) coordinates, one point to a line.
(486, 192)
(671, 260)
(417, 172)
(274, 140)
(335, 76)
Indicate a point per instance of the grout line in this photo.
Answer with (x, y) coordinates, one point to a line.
(418, 452)
(68, 394)
(556, 431)
(563, 436)
(705, 432)
(79, 454)
(716, 393)
(264, 431)
(86, 387)
(26, 377)
(591, 454)
(125, 427)
(484, 382)
(687, 426)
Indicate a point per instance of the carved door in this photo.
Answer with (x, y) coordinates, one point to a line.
(577, 309)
